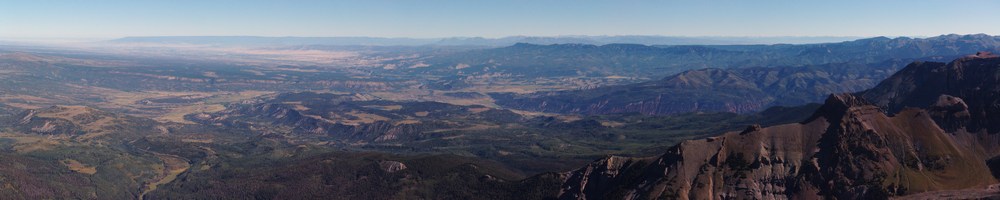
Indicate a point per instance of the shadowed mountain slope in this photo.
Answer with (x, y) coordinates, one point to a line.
(711, 90)
(849, 149)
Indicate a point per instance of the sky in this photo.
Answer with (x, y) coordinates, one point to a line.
(480, 18)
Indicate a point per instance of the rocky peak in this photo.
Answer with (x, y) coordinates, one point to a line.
(950, 112)
(845, 100)
(859, 150)
(751, 129)
(978, 56)
(984, 54)
(972, 81)
(837, 106)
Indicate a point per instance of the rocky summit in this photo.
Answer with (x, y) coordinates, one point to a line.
(927, 128)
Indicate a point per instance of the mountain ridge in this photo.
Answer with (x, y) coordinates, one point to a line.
(850, 149)
(594, 65)
(475, 41)
(711, 90)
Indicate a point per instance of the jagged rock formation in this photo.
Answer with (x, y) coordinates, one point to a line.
(973, 80)
(849, 149)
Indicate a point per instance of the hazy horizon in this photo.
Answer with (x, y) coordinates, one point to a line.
(454, 37)
(723, 40)
(443, 19)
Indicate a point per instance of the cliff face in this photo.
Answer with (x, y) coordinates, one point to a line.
(849, 149)
(972, 83)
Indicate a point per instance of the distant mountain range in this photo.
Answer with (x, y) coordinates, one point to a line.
(733, 78)
(743, 90)
(473, 41)
(633, 60)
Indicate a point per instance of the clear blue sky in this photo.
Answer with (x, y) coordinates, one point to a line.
(434, 18)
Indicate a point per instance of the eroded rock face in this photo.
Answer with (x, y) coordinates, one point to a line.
(938, 137)
(603, 175)
(951, 113)
(850, 150)
(391, 166)
(974, 80)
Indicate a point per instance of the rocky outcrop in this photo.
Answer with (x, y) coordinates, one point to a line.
(391, 166)
(849, 149)
(951, 113)
(971, 82)
(937, 138)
